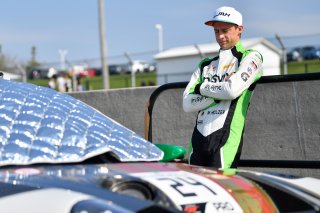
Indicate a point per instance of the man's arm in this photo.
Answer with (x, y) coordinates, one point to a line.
(249, 71)
(195, 102)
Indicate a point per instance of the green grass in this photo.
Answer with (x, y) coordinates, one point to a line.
(304, 66)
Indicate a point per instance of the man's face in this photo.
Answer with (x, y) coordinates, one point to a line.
(227, 34)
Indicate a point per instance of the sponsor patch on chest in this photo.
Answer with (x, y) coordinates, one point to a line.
(219, 72)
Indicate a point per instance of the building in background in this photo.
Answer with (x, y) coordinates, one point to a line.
(178, 64)
(11, 76)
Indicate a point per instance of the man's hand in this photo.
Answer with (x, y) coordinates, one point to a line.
(229, 76)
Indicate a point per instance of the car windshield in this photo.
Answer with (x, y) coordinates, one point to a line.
(41, 125)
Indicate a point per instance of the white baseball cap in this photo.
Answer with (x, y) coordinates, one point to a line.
(226, 14)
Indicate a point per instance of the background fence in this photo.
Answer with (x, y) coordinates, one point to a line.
(289, 42)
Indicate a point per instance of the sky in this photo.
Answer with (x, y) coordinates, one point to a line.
(73, 25)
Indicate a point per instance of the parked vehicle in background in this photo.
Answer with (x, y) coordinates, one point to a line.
(138, 66)
(311, 53)
(117, 69)
(82, 71)
(294, 54)
(97, 71)
(38, 73)
(303, 53)
(114, 69)
(152, 67)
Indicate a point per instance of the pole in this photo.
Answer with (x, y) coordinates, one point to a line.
(103, 49)
(199, 51)
(284, 55)
(23, 72)
(160, 36)
(63, 54)
(133, 74)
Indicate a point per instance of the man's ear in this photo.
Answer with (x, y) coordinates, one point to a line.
(240, 28)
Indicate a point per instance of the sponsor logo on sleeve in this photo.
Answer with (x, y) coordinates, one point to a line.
(198, 99)
(215, 88)
(254, 65)
(245, 76)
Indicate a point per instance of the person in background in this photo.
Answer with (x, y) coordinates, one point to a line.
(52, 75)
(52, 82)
(80, 86)
(62, 82)
(220, 91)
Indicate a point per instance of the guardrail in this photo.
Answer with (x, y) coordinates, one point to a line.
(246, 162)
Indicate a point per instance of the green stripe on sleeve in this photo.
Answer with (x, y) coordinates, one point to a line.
(191, 90)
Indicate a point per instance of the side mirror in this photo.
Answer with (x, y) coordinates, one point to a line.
(171, 152)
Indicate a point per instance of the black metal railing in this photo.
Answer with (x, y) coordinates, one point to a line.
(248, 162)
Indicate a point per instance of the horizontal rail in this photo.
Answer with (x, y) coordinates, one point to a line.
(298, 164)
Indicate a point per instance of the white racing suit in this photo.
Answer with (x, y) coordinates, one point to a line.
(220, 90)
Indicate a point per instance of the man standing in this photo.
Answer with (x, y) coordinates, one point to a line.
(220, 91)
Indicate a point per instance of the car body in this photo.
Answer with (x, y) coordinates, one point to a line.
(312, 53)
(60, 155)
(113, 69)
(38, 73)
(117, 68)
(303, 53)
(138, 66)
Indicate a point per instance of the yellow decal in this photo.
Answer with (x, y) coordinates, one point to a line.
(228, 66)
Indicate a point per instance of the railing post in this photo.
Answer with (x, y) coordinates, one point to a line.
(306, 68)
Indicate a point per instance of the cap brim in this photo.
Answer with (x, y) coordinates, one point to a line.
(211, 22)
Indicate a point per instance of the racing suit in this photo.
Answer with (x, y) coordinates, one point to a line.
(220, 91)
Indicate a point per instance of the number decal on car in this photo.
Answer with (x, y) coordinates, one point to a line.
(187, 189)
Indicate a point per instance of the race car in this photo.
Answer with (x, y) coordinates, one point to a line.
(58, 154)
